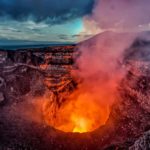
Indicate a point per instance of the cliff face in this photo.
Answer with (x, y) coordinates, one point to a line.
(31, 73)
(34, 70)
(132, 113)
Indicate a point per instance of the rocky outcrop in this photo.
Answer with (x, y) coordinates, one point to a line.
(143, 143)
(32, 70)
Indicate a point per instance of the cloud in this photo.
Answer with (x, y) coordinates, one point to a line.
(51, 11)
(32, 31)
(63, 37)
(118, 16)
(125, 14)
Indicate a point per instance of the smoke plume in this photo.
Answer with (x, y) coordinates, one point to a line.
(100, 63)
(101, 58)
(121, 13)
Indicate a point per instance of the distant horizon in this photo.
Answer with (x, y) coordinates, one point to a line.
(29, 42)
(32, 45)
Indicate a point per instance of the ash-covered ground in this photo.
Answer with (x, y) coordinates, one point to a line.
(25, 76)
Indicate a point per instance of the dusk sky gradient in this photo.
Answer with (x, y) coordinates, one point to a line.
(69, 21)
(43, 20)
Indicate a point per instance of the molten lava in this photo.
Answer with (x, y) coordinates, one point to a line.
(80, 113)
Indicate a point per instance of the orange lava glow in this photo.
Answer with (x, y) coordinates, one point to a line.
(82, 112)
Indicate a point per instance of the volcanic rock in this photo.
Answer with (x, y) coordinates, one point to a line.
(1, 97)
(29, 73)
(143, 143)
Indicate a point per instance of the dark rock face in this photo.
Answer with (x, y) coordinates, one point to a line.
(22, 69)
(143, 143)
(29, 73)
(1, 97)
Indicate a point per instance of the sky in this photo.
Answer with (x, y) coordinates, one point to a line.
(43, 20)
(69, 21)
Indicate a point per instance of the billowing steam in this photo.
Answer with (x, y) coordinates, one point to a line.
(124, 14)
(100, 70)
(101, 63)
